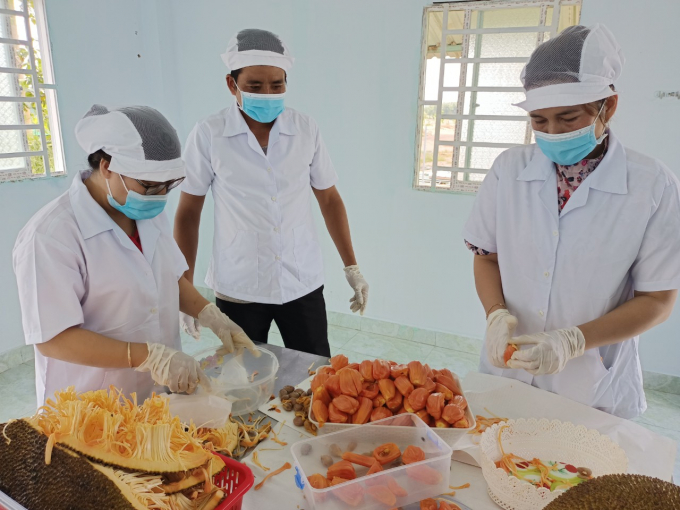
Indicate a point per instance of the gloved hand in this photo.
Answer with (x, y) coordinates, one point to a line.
(358, 283)
(232, 335)
(500, 325)
(190, 325)
(174, 369)
(551, 351)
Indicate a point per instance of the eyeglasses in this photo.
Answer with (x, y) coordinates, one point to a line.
(154, 188)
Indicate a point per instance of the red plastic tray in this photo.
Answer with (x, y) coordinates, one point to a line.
(235, 480)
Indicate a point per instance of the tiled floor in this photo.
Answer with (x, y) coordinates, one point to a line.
(17, 385)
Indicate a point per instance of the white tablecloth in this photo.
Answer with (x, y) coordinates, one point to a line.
(648, 453)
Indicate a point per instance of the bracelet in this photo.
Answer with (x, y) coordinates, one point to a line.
(129, 356)
(494, 306)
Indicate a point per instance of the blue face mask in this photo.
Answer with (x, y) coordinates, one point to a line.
(263, 108)
(138, 207)
(570, 148)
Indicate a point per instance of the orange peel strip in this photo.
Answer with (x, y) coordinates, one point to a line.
(256, 461)
(464, 486)
(275, 435)
(273, 473)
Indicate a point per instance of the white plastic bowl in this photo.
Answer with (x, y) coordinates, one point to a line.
(249, 396)
(545, 440)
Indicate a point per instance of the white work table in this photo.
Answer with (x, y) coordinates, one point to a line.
(648, 453)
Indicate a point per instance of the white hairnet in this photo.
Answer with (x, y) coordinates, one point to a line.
(255, 47)
(576, 67)
(141, 142)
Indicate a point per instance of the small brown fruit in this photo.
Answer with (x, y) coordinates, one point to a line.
(335, 450)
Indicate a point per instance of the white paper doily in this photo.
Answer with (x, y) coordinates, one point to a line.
(545, 440)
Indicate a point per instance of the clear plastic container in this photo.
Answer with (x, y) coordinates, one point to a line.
(449, 435)
(420, 480)
(248, 381)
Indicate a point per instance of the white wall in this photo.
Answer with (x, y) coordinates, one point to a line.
(94, 47)
(356, 73)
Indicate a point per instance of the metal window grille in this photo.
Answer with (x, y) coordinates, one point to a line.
(30, 134)
(472, 56)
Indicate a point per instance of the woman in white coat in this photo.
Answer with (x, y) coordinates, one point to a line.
(99, 273)
(576, 238)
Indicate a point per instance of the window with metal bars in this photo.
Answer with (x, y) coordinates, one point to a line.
(472, 57)
(30, 135)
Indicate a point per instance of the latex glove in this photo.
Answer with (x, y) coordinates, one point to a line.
(174, 369)
(231, 334)
(358, 283)
(500, 326)
(551, 351)
(190, 325)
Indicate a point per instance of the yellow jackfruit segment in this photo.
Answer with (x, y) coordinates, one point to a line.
(109, 428)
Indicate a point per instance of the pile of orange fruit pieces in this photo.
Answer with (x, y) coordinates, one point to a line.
(356, 393)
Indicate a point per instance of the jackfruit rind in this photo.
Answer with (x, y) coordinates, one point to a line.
(147, 490)
(68, 482)
(113, 430)
(614, 492)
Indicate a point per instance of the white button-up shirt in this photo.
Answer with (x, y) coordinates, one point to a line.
(619, 233)
(265, 247)
(76, 267)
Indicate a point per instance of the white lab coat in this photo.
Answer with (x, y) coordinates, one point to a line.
(265, 247)
(619, 233)
(76, 267)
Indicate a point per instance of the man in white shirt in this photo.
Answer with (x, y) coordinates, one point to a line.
(263, 161)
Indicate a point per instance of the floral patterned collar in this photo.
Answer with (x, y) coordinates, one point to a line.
(570, 177)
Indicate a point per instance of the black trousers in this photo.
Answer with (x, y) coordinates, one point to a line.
(302, 322)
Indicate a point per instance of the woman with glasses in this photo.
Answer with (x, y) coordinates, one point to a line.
(100, 275)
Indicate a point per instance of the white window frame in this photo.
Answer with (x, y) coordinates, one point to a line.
(49, 89)
(465, 185)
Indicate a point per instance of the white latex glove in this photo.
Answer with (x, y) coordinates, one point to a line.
(358, 283)
(232, 335)
(551, 351)
(500, 326)
(190, 325)
(174, 369)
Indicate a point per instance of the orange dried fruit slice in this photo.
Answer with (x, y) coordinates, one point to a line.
(412, 454)
(386, 453)
(342, 469)
(382, 494)
(339, 361)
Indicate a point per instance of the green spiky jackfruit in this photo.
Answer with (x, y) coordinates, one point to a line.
(67, 483)
(616, 492)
